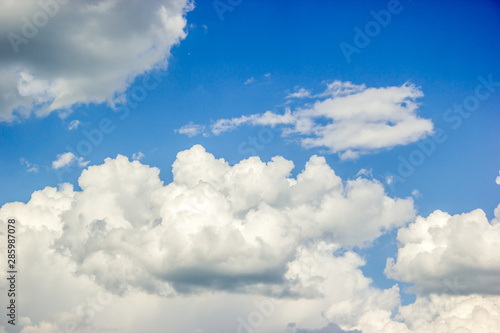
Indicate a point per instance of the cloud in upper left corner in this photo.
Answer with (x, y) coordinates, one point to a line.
(56, 54)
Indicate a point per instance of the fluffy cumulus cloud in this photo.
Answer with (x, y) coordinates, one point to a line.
(330, 328)
(243, 248)
(56, 54)
(67, 159)
(444, 313)
(217, 226)
(449, 254)
(347, 119)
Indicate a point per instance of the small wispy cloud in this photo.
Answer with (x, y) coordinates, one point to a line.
(74, 125)
(191, 129)
(300, 93)
(268, 118)
(498, 178)
(250, 80)
(365, 172)
(67, 159)
(30, 167)
(416, 193)
(138, 156)
(261, 79)
(338, 88)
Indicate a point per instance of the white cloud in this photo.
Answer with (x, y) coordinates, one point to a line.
(250, 80)
(301, 93)
(238, 242)
(496, 220)
(30, 167)
(67, 159)
(365, 172)
(447, 313)
(416, 193)
(339, 88)
(330, 328)
(74, 124)
(449, 254)
(437, 314)
(249, 228)
(238, 212)
(63, 160)
(82, 163)
(338, 278)
(87, 52)
(266, 119)
(138, 156)
(348, 119)
(191, 129)
(498, 178)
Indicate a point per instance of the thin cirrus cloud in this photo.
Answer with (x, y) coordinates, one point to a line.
(248, 235)
(56, 65)
(347, 119)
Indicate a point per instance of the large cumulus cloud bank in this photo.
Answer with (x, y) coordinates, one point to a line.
(230, 248)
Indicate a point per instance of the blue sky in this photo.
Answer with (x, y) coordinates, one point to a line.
(230, 59)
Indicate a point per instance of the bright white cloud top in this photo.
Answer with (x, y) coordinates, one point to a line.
(249, 235)
(458, 250)
(347, 119)
(94, 59)
(67, 159)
